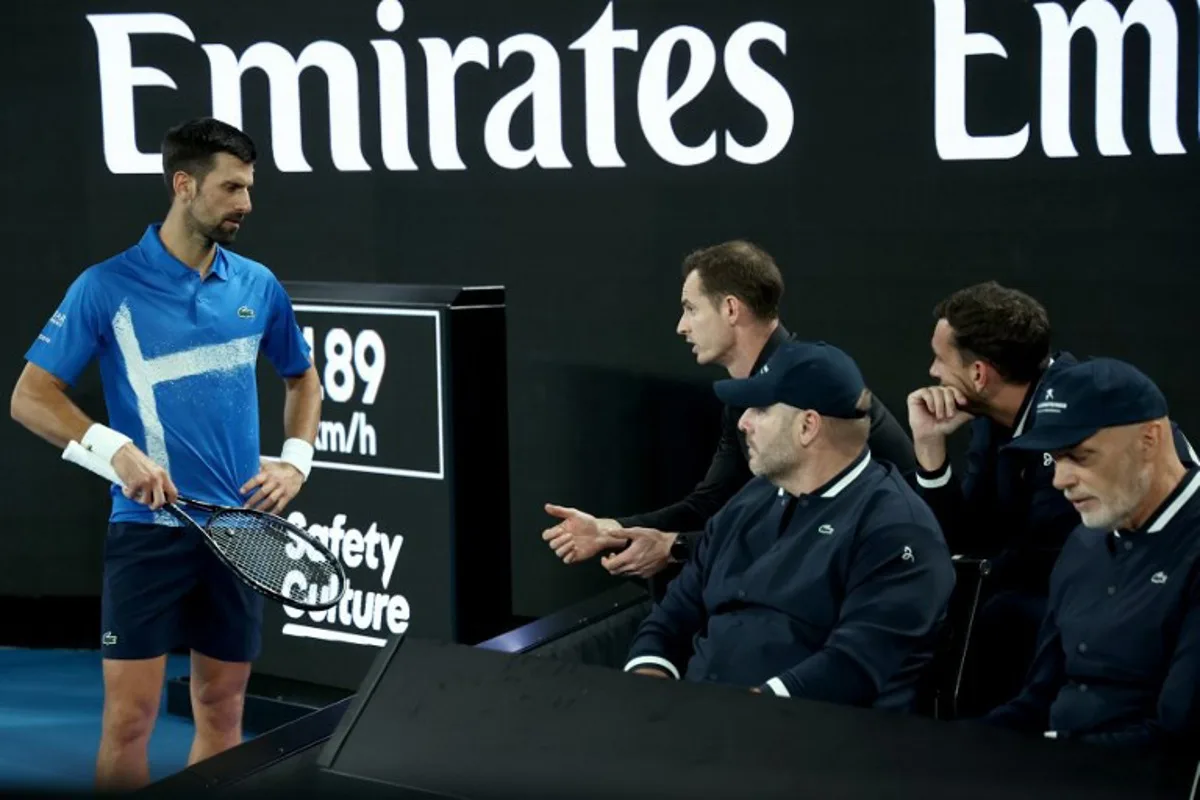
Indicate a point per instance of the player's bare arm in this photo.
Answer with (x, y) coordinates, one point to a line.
(41, 404)
(278, 482)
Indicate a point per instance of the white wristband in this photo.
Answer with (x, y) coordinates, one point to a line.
(104, 441)
(299, 454)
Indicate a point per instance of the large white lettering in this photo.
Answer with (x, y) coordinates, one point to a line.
(283, 74)
(762, 90)
(442, 66)
(361, 611)
(118, 78)
(393, 91)
(657, 105)
(953, 45)
(599, 46)
(543, 90)
(1108, 29)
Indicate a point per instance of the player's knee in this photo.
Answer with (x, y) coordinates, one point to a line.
(218, 705)
(129, 722)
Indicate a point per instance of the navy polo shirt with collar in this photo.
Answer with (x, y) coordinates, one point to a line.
(836, 595)
(177, 356)
(1118, 660)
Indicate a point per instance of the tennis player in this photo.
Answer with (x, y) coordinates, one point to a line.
(176, 323)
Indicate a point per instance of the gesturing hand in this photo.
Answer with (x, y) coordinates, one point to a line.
(277, 483)
(579, 536)
(143, 480)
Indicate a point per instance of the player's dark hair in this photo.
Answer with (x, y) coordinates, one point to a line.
(1004, 327)
(192, 146)
(740, 269)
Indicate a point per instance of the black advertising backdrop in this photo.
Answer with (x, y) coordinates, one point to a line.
(870, 223)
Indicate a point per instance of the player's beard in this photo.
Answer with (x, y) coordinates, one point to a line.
(218, 232)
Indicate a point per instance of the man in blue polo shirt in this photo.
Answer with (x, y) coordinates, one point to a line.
(176, 323)
(1118, 659)
(825, 577)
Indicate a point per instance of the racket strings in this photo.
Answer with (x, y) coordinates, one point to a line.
(274, 556)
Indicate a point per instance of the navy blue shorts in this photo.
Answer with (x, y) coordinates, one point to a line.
(164, 589)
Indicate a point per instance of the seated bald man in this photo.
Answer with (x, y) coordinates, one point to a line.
(826, 577)
(1118, 659)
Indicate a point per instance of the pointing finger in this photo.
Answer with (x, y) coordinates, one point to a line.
(560, 511)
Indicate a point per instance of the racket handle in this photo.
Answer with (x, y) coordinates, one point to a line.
(80, 455)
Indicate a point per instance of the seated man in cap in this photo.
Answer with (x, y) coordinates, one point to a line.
(1118, 661)
(992, 358)
(825, 577)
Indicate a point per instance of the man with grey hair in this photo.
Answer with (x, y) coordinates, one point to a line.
(825, 577)
(1118, 659)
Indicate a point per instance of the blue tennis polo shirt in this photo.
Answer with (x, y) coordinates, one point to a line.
(177, 357)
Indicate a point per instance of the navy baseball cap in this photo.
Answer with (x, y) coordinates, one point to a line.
(1075, 402)
(813, 376)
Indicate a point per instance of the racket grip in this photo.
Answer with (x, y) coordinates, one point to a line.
(80, 455)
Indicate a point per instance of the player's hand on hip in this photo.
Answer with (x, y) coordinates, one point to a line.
(144, 481)
(937, 411)
(274, 486)
(580, 536)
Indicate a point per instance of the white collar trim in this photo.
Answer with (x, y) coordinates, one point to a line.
(1178, 503)
(848, 479)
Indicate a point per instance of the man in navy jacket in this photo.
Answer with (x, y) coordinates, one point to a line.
(825, 577)
(992, 355)
(1118, 661)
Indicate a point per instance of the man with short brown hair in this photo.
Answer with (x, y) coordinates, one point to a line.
(176, 323)
(992, 354)
(730, 316)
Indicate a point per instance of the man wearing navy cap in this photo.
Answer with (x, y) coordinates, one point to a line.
(730, 317)
(1118, 658)
(992, 356)
(825, 577)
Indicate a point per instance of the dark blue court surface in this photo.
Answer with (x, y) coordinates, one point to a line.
(50, 706)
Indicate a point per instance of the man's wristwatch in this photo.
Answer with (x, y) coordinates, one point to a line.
(681, 548)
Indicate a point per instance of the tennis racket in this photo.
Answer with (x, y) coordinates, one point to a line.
(265, 551)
